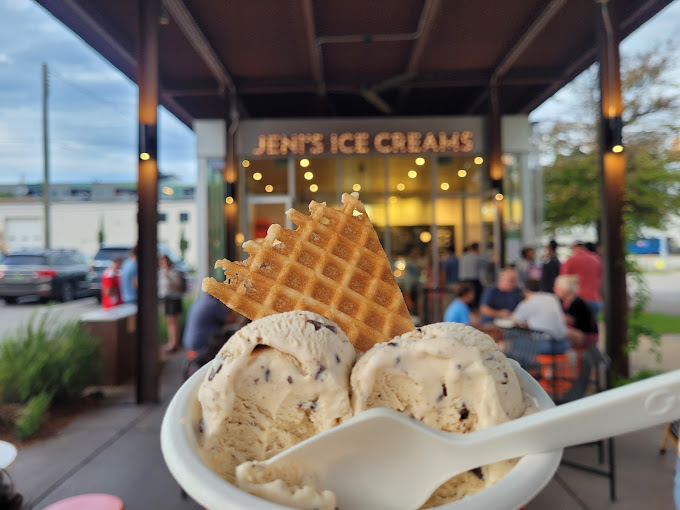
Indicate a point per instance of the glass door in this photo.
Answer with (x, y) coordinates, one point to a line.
(264, 211)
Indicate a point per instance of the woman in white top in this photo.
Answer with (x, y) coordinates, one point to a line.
(170, 292)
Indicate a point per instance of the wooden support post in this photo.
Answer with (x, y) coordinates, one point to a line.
(147, 192)
(613, 166)
(495, 157)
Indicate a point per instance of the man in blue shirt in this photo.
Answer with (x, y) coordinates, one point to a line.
(499, 302)
(459, 309)
(205, 318)
(128, 278)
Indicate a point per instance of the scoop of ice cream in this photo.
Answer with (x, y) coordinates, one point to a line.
(449, 376)
(276, 382)
(291, 484)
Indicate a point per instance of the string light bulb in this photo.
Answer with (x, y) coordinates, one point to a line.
(479, 160)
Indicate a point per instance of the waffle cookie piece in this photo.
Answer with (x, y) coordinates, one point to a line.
(332, 264)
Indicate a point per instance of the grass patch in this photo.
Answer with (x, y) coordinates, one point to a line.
(663, 323)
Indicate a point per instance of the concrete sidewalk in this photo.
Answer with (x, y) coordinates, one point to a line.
(116, 449)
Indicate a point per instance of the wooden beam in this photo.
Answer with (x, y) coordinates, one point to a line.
(527, 36)
(576, 68)
(199, 42)
(315, 54)
(425, 22)
(613, 171)
(147, 193)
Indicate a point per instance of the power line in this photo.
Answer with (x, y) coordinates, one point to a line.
(91, 94)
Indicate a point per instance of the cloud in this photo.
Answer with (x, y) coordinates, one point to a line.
(16, 5)
(5, 58)
(92, 108)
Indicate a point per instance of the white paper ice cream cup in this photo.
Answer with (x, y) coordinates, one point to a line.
(180, 452)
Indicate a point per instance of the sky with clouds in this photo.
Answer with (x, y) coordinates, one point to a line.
(93, 105)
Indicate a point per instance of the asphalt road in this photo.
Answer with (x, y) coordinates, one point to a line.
(665, 289)
(12, 316)
(665, 292)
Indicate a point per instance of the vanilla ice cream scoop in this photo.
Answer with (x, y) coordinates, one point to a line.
(449, 376)
(276, 382)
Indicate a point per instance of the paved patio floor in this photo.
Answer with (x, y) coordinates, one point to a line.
(116, 449)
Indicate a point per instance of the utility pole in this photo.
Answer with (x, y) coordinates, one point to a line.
(46, 159)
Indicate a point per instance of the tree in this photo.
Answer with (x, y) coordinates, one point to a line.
(101, 235)
(570, 148)
(183, 244)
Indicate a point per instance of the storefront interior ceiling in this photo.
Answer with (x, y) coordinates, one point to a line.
(299, 58)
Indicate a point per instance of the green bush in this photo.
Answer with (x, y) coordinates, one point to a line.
(31, 416)
(45, 356)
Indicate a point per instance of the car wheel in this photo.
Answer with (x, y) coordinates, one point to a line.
(11, 300)
(67, 292)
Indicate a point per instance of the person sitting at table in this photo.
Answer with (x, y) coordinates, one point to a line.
(581, 325)
(459, 309)
(498, 302)
(542, 311)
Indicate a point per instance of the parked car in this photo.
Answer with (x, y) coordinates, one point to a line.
(107, 253)
(47, 274)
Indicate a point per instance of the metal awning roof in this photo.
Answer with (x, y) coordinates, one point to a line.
(298, 58)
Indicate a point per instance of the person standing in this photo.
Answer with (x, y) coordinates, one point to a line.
(128, 278)
(472, 269)
(588, 267)
(111, 284)
(526, 267)
(551, 267)
(170, 292)
(451, 266)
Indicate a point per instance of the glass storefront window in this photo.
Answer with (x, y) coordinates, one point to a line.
(315, 179)
(460, 174)
(367, 176)
(512, 210)
(216, 188)
(266, 176)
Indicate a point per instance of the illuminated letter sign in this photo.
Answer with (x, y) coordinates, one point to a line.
(385, 142)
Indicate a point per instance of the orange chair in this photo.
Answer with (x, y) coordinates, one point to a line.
(88, 502)
(557, 374)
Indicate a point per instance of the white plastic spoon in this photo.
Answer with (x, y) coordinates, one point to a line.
(382, 459)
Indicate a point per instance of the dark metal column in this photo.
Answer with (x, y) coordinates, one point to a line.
(495, 157)
(231, 207)
(147, 191)
(613, 170)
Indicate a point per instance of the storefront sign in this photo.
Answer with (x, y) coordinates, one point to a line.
(385, 142)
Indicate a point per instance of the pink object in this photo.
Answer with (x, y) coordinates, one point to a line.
(88, 502)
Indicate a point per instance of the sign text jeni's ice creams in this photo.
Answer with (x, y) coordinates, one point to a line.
(362, 142)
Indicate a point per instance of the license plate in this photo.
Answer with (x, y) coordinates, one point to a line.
(17, 277)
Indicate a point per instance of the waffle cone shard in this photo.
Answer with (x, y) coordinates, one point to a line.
(332, 264)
